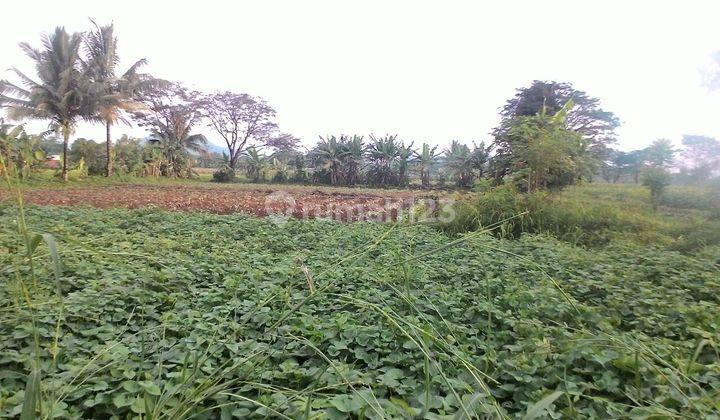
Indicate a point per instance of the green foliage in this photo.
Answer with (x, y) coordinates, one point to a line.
(255, 164)
(170, 315)
(459, 164)
(225, 174)
(338, 160)
(589, 215)
(383, 154)
(595, 125)
(127, 156)
(111, 93)
(92, 154)
(424, 161)
(697, 198)
(282, 171)
(21, 151)
(63, 93)
(545, 153)
(656, 179)
(300, 171)
(173, 159)
(660, 153)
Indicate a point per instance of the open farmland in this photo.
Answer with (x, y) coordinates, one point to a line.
(280, 211)
(302, 203)
(168, 315)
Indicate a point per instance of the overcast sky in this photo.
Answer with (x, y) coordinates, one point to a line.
(428, 71)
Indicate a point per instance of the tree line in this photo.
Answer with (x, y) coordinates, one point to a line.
(550, 134)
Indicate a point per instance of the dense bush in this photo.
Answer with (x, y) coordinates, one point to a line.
(91, 153)
(225, 174)
(127, 154)
(281, 176)
(656, 179)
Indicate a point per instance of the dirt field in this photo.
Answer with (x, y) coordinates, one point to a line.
(304, 203)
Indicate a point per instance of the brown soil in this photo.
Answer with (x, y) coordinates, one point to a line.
(300, 203)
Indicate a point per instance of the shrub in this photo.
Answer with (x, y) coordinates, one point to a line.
(656, 179)
(92, 153)
(502, 207)
(442, 178)
(511, 213)
(497, 208)
(225, 174)
(692, 198)
(280, 177)
(695, 235)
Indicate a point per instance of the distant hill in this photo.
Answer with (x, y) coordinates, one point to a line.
(216, 148)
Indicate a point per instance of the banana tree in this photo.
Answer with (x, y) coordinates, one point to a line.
(20, 150)
(424, 162)
(354, 158)
(255, 164)
(405, 153)
(332, 153)
(458, 161)
(383, 153)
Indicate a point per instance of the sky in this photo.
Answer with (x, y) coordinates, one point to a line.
(427, 71)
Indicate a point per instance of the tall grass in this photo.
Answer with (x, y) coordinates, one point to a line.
(596, 215)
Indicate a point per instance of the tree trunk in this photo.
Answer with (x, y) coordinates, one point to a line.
(108, 151)
(66, 138)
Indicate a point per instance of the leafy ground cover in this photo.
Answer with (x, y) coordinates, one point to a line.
(170, 315)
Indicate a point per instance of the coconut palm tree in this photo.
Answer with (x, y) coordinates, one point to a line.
(61, 94)
(424, 162)
(113, 94)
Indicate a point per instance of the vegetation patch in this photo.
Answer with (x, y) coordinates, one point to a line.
(170, 315)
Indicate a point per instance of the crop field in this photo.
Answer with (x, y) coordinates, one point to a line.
(207, 235)
(147, 313)
(302, 203)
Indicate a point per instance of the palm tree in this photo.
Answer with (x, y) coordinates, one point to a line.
(332, 154)
(424, 161)
(113, 94)
(460, 163)
(60, 96)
